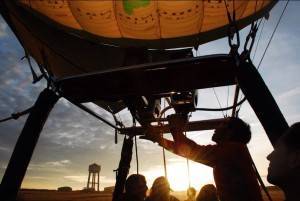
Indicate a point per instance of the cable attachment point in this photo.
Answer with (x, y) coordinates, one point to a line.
(250, 39)
(233, 32)
(35, 77)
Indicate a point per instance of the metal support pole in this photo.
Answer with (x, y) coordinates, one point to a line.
(262, 101)
(17, 166)
(236, 96)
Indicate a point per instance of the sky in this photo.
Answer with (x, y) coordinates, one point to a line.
(71, 139)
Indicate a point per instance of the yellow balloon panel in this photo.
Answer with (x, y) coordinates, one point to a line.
(146, 19)
(138, 21)
(97, 17)
(255, 6)
(215, 13)
(180, 18)
(57, 10)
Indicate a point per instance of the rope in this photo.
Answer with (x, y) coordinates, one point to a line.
(165, 163)
(188, 168)
(86, 109)
(16, 115)
(273, 33)
(227, 99)
(35, 78)
(136, 155)
(218, 101)
(135, 146)
(221, 109)
(258, 176)
(259, 37)
(163, 149)
(236, 98)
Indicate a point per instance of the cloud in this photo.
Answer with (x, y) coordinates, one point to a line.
(3, 29)
(77, 178)
(5, 149)
(61, 163)
(55, 166)
(84, 178)
(290, 94)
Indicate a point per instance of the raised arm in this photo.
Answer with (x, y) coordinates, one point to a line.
(185, 147)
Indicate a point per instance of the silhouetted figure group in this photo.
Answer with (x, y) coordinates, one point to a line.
(231, 161)
(136, 190)
(160, 191)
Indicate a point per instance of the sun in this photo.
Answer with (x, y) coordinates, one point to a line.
(177, 173)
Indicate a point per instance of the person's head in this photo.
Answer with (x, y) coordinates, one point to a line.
(207, 193)
(160, 187)
(191, 192)
(284, 167)
(136, 186)
(232, 129)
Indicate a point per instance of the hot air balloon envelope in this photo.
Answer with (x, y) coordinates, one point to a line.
(150, 23)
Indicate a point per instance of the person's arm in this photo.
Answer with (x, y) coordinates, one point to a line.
(187, 148)
(182, 145)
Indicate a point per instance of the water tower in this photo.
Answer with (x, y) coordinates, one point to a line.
(94, 170)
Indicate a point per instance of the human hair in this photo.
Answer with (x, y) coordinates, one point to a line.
(291, 137)
(191, 191)
(133, 182)
(240, 130)
(160, 189)
(207, 193)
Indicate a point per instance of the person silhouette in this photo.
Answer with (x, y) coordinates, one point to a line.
(135, 188)
(234, 175)
(284, 167)
(191, 194)
(160, 191)
(207, 193)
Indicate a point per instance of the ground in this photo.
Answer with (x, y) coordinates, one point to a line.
(47, 195)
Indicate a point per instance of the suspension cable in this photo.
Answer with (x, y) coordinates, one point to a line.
(136, 155)
(258, 176)
(222, 109)
(227, 99)
(271, 38)
(259, 37)
(218, 101)
(86, 109)
(283, 11)
(17, 115)
(163, 149)
(135, 146)
(165, 163)
(188, 167)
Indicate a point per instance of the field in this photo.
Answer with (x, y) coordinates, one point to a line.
(48, 195)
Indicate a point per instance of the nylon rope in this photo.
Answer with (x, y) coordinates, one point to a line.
(258, 176)
(270, 40)
(163, 149)
(188, 167)
(136, 155)
(16, 115)
(220, 109)
(259, 37)
(283, 11)
(218, 101)
(135, 146)
(227, 99)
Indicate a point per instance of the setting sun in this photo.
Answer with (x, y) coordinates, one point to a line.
(177, 173)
